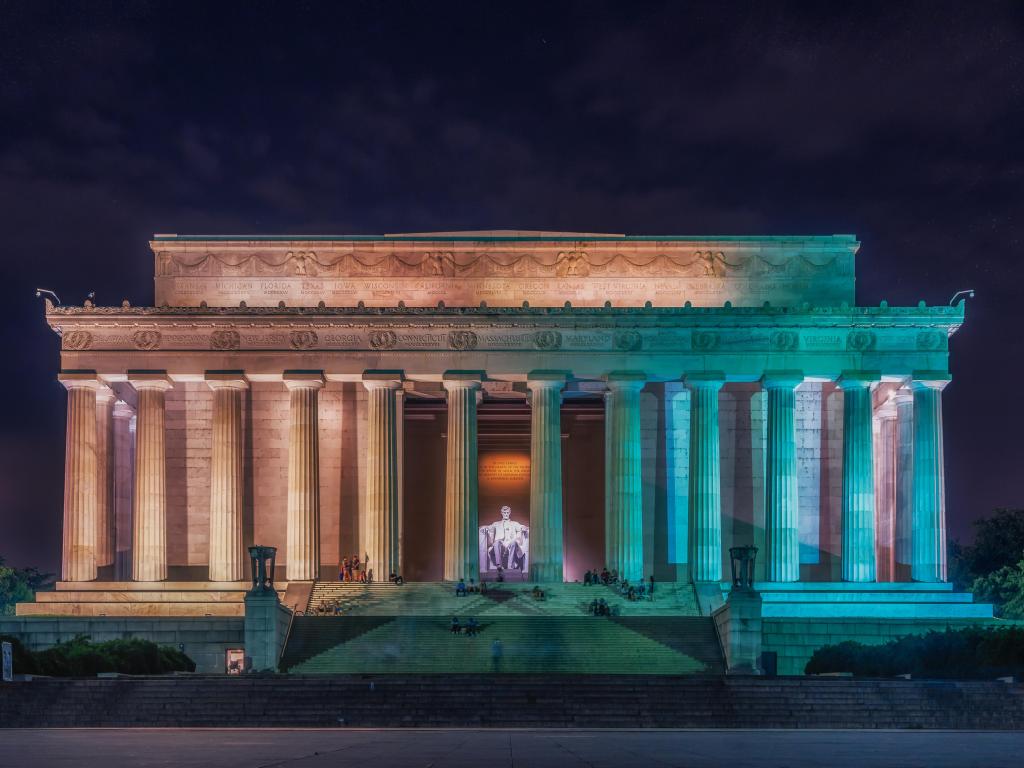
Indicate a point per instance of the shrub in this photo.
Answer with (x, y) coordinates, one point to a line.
(80, 657)
(24, 661)
(970, 653)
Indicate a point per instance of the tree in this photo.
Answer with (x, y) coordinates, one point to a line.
(20, 585)
(993, 566)
(1003, 588)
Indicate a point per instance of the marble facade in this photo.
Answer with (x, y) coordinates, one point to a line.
(746, 400)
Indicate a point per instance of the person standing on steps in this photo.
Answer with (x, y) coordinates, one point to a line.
(650, 587)
(497, 650)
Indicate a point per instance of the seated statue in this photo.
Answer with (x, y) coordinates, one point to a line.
(505, 543)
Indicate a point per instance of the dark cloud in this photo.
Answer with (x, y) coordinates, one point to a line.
(898, 122)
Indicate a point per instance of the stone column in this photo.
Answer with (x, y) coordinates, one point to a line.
(78, 562)
(624, 531)
(400, 450)
(885, 489)
(227, 560)
(105, 531)
(928, 534)
(781, 511)
(546, 476)
(858, 509)
(382, 472)
(904, 401)
(149, 507)
(705, 477)
(124, 470)
(461, 553)
(303, 540)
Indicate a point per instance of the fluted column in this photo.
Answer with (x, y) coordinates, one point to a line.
(226, 559)
(781, 512)
(303, 539)
(382, 472)
(400, 449)
(78, 561)
(149, 507)
(928, 556)
(624, 532)
(885, 489)
(461, 554)
(104, 476)
(858, 477)
(705, 477)
(904, 401)
(124, 472)
(546, 476)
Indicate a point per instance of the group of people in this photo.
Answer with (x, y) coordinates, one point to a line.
(469, 629)
(611, 579)
(462, 588)
(354, 570)
(600, 607)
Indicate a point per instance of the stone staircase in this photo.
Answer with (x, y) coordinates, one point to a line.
(526, 700)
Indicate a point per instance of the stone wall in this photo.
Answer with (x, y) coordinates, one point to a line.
(205, 639)
(795, 640)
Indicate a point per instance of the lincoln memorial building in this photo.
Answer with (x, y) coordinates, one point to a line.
(513, 407)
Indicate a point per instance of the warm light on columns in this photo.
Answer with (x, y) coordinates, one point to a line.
(382, 524)
(546, 546)
(78, 561)
(624, 531)
(226, 560)
(105, 529)
(303, 535)
(461, 514)
(149, 507)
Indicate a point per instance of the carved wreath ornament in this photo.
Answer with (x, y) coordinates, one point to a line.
(303, 339)
(860, 341)
(929, 341)
(146, 340)
(225, 339)
(784, 341)
(462, 340)
(705, 341)
(76, 340)
(547, 339)
(383, 340)
(627, 341)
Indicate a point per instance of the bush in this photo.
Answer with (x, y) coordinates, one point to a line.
(80, 658)
(959, 654)
(24, 661)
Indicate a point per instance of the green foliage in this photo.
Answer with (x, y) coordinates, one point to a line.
(80, 658)
(24, 662)
(20, 585)
(1005, 589)
(958, 654)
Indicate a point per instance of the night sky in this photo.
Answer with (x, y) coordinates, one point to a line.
(900, 123)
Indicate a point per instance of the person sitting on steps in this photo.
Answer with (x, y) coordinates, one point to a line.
(456, 627)
(460, 588)
(471, 627)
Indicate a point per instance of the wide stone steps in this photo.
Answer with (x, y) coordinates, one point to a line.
(556, 644)
(508, 599)
(521, 700)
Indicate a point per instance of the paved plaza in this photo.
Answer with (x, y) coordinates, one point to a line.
(287, 748)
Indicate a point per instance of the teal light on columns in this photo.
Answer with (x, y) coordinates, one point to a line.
(624, 530)
(928, 527)
(705, 477)
(782, 524)
(546, 475)
(858, 476)
(461, 554)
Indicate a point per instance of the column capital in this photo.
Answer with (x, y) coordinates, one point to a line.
(150, 380)
(626, 380)
(887, 410)
(453, 380)
(705, 380)
(383, 379)
(104, 395)
(75, 379)
(789, 379)
(903, 395)
(303, 379)
(546, 380)
(857, 379)
(226, 380)
(937, 380)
